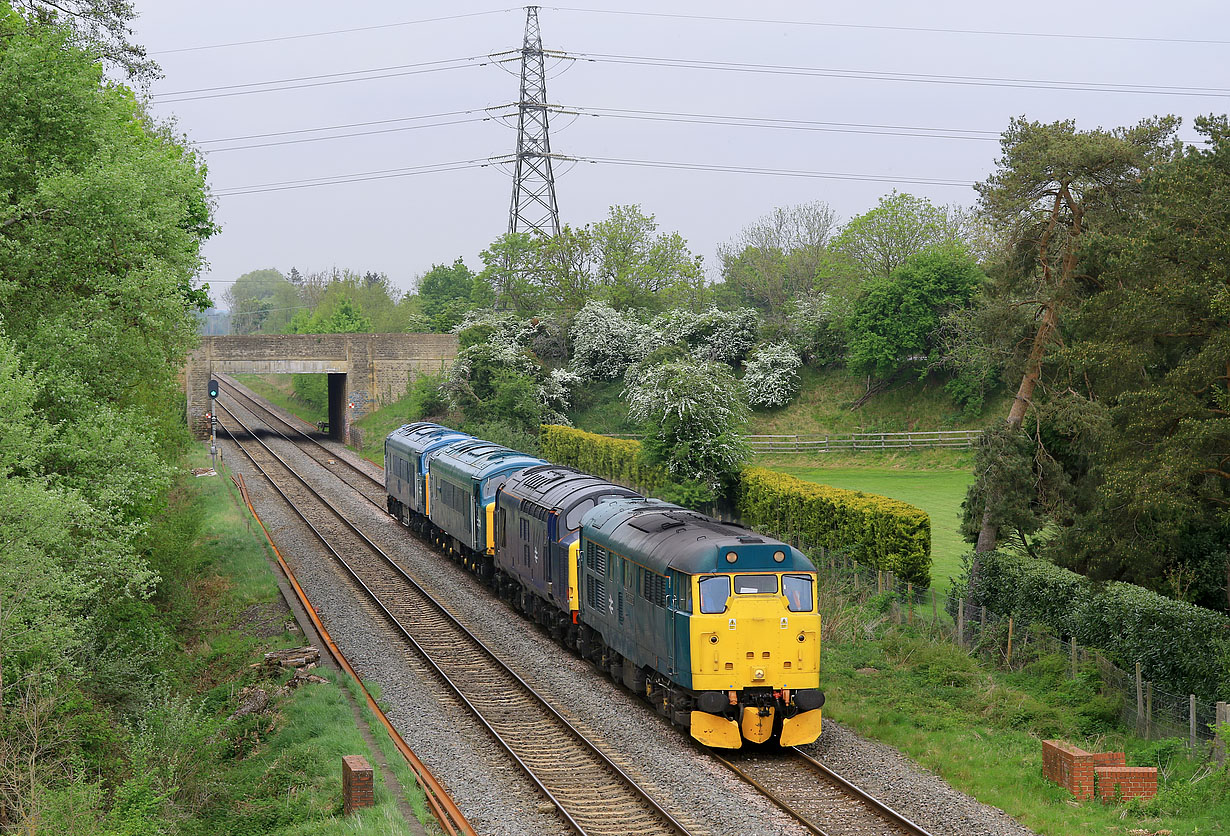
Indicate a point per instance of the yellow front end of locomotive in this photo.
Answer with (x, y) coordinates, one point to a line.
(755, 642)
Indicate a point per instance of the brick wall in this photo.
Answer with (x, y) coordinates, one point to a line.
(358, 789)
(1102, 775)
(1119, 782)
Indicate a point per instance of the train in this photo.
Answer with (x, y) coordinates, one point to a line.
(715, 625)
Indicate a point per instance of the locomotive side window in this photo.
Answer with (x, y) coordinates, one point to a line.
(797, 589)
(755, 584)
(713, 594)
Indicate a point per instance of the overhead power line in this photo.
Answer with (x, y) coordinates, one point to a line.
(348, 135)
(360, 177)
(387, 174)
(884, 27)
(372, 74)
(332, 32)
(919, 78)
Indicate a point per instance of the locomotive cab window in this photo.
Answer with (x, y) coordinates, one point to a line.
(797, 589)
(714, 591)
(755, 584)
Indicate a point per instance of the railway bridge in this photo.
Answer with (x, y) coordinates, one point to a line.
(365, 370)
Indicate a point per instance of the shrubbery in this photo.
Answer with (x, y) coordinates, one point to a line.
(1180, 646)
(880, 532)
(772, 377)
(616, 459)
(875, 530)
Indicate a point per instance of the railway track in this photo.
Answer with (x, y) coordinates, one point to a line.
(362, 482)
(816, 796)
(592, 793)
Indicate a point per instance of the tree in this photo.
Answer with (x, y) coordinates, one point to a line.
(100, 26)
(262, 302)
(445, 293)
(896, 321)
(775, 258)
(1052, 185)
(693, 415)
(879, 241)
(637, 267)
(1151, 347)
(772, 375)
(606, 341)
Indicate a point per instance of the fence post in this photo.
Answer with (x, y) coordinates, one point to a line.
(1140, 703)
(1009, 639)
(1149, 710)
(982, 621)
(961, 622)
(1073, 641)
(909, 601)
(1191, 721)
(1221, 716)
(935, 610)
(879, 581)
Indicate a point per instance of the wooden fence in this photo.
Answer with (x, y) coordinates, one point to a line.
(857, 441)
(863, 441)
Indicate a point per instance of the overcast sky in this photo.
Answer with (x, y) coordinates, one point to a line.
(831, 71)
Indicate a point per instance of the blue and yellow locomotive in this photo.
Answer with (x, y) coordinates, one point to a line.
(716, 625)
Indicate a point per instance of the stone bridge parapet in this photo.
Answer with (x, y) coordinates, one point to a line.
(365, 371)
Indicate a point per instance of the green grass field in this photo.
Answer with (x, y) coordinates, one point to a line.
(938, 492)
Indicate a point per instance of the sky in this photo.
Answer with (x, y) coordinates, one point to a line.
(841, 103)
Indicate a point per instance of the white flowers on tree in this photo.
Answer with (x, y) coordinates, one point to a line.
(606, 341)
(772, 377)
(694, 415)
(720, 336)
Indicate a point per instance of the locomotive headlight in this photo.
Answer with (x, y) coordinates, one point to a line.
(731, 557)
(779, 556)
(758, 673)
(802, 638)
(713, 639)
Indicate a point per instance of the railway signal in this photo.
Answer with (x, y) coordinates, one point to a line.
(213, 389)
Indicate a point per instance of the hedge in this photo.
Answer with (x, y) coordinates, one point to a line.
(617, 459)
(880, 532)
(875, 530)
(1181, 647)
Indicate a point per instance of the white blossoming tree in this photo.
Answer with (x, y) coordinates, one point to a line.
(717, 335)
(772, 377)
(606, 341)
(694, 415)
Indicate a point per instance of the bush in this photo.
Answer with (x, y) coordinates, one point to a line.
(426, 399)
(772, 377)
(616, 459)
(1181, 647)
(693, 418)
(880, 532)
(606, 341)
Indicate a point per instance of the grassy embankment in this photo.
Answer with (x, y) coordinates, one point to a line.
(277, 771)
(976, 725)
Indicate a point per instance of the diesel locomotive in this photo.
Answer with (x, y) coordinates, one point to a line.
(714, 624)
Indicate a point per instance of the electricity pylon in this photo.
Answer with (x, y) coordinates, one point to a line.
(533, 206)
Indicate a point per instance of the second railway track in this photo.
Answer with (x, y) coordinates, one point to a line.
(591, 792)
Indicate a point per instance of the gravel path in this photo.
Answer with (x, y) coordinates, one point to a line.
(486, 784)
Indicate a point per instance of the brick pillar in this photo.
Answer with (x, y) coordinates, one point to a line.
(360, 380)
(358, 789)
(196, 383)
(1068, 766)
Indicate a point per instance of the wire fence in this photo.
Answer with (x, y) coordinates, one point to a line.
(1151, 711)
